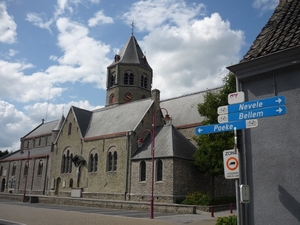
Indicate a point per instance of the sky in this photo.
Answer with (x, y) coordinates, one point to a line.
(55, 53)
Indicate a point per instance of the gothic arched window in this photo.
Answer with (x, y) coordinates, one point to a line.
(14, 168)
(144, 81)
(159, 170)
(115, 161)
(93, 162)
(131, 79)
(26, 168)
(143, 171)
(128, 78)
(70, 128)
(66, 162)
(113, 80)
(40, 168)
(96, 162)
(112, 160)
(111, 99)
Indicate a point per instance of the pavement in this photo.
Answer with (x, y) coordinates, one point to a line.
(19, 213)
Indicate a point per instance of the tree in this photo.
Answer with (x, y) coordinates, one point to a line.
(209, 155)
(3, 153)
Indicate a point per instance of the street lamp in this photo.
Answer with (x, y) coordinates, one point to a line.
(140, 141)
(28, 156)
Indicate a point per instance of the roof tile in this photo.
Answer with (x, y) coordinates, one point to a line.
(280, 33)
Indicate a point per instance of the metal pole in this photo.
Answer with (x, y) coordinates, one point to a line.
(152, 181)
(24, 195)
(237, 200)
(153, 133)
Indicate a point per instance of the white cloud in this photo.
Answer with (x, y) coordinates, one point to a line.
(67, 5)
(191, 53)
(13, 124)
(17, 86)
(36, 20)
(149, 14)
(8, 27)
(75, 65)
(265, 5)
(61, 6)
(95, 1)
(12, 52)
(50, 111)
(99, 18)
(16, 124)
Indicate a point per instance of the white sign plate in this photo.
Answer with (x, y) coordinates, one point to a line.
(231, 164)
(244, 193)
(236, 97)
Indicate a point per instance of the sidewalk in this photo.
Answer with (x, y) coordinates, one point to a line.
(24, 214)
(201, 218)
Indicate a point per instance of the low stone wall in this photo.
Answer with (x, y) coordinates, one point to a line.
(217, 208)
(130, 205)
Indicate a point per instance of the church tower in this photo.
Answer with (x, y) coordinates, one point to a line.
(129, 76)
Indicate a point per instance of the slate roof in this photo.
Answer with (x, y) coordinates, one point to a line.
(42, 129)
(34, 153)
(117, 119)
(83, 118)
(169, 142)
(131, 53)
(184, 109)
(280, 33)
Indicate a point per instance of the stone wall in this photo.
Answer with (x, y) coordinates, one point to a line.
(129, 205)
(35, 183)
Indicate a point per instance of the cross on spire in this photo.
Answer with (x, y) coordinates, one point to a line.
(132, 27)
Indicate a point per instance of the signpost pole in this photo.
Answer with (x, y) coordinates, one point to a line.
(237, 180)
(237, 200)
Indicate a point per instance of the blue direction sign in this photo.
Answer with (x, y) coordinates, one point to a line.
(252, 105)
(253, 114)
(217, 128)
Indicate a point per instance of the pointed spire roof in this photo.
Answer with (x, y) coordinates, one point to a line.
(280, 33)
(131, 53)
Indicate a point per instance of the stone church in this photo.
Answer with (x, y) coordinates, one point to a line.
(134, 145)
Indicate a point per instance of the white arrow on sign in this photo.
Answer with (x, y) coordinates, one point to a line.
(279, 110)
(278, 100)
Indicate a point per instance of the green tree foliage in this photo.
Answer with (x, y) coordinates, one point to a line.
(208, 157)
(3, 153)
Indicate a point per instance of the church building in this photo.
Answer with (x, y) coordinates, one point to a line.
(134, 145)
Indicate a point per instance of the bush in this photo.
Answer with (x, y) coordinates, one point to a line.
(197, 198)
(227, 220)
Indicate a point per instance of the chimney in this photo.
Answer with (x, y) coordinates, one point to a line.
(155, 95)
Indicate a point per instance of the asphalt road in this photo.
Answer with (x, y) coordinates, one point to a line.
(19, 213)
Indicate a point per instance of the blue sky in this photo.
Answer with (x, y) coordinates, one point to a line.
(54, 54)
